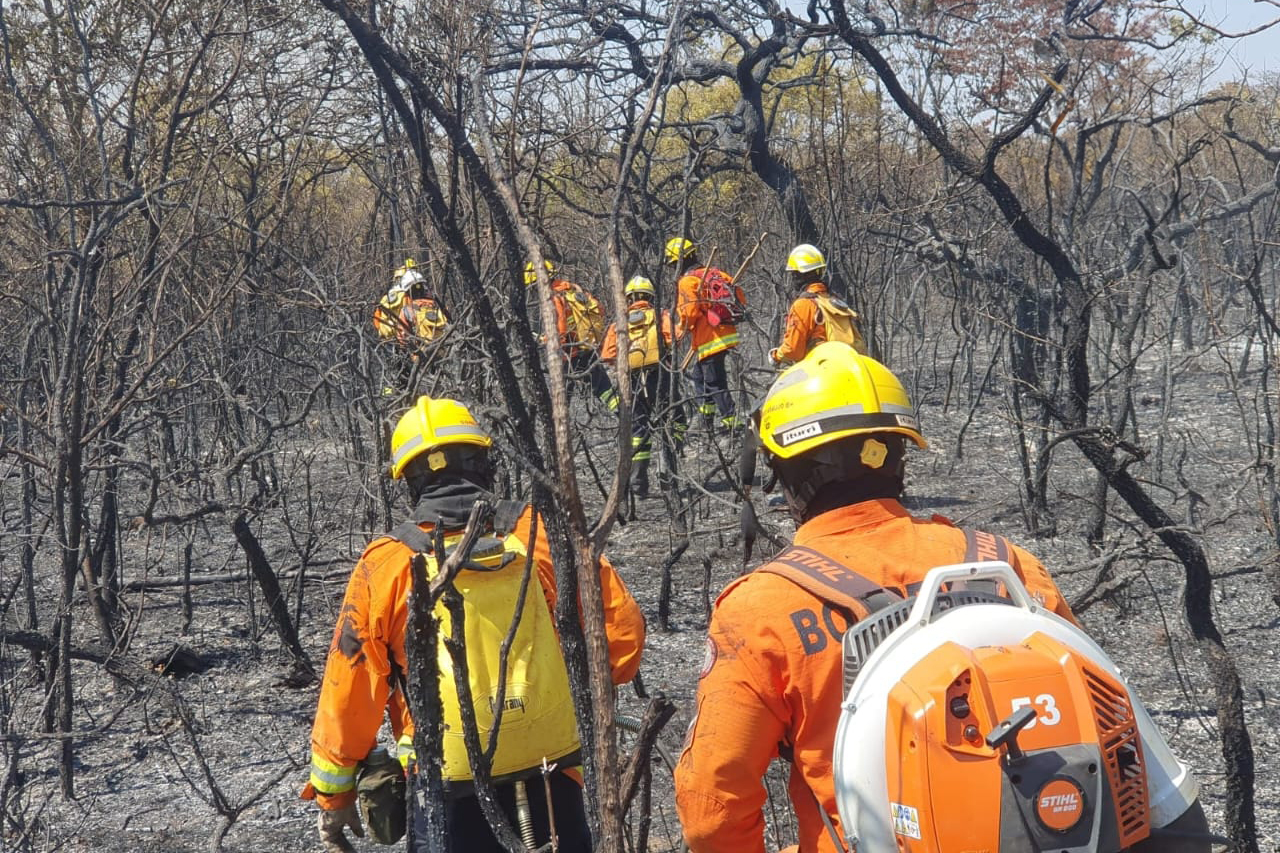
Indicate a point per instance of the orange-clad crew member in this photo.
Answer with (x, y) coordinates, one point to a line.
(389, 321)
(422, 317)
(442, 454)
(815, 315)
(580, 327)
(387, 312)
(709, 326)
(654, 395)
(834, 428)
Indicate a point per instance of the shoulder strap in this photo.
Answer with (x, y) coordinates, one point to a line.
(830, 301)
(980, 546)
(505, 516)
(410, 534)
(829, 580)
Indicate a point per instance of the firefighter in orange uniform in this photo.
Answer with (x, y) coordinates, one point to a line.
(442, 454)
(580, 330)
(834, 428)
(422, 318)
(389, 323)
(387, 312)
(815, 315)
(711, 332)
(653, 393)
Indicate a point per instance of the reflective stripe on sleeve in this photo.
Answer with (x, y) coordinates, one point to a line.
(712, 347)
(405, 751)
(328, 778)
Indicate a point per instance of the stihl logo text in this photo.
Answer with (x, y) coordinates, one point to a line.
(986, 546)
(1060, 802)
(1060, 805)
(833, 572)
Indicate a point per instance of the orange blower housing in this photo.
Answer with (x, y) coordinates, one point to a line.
(1074, 781)
(977, 721)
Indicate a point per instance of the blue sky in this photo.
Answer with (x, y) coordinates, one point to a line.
(1257, 53)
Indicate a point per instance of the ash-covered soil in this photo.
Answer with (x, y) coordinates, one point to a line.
(143, 784)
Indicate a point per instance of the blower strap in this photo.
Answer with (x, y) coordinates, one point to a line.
(830, 580)
(981, 546)
(837, 584)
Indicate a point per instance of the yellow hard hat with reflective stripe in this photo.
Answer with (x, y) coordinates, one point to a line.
(639, 285)
(832, 393)
(430, 424)
(679, 247)
(805, 258)
(530, 276)
(409, 263)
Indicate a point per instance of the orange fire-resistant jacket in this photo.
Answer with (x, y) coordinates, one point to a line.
(609, 347)
(772, 675)
(691, 308)
(803, 330)
(568, 335)
(369, 641)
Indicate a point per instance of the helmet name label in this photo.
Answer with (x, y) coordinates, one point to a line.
(800, 433)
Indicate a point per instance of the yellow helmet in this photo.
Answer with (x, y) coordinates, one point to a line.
(832, 393)
(638, 286)
(805, 258)
(530, 276)
(409, 263)
(430, 425)
(679, 247)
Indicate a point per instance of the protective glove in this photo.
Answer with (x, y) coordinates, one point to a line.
(333, 822)
(773, 356)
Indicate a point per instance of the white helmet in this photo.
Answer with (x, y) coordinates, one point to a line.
(409, 279)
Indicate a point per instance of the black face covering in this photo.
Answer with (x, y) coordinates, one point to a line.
(801, 280)
(834, 476)
(448, 493)
(868, 487)
(447, 501)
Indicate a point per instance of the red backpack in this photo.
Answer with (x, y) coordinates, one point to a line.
(723, 308)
